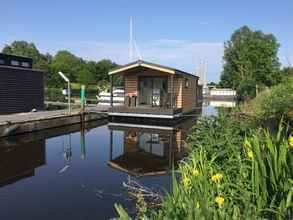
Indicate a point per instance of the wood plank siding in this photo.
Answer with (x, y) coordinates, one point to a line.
(178, 91)
(131, 85)
(21, 90)
(189, 93)
(185, 97)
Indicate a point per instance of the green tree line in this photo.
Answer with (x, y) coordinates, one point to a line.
(77, 69)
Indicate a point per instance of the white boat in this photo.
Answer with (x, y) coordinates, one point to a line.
(118, 97)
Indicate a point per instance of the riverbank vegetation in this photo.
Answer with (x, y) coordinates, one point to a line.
(234, 171)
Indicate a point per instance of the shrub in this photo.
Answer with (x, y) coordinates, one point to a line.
(273, 104)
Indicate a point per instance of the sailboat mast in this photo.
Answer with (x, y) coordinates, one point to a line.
(130, 41)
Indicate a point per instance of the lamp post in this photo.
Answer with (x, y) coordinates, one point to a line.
(68, 88)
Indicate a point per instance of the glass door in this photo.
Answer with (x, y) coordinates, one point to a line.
(145, 91)
(152, 90)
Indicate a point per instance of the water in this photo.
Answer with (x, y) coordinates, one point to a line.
(67, 173)
(73, 173)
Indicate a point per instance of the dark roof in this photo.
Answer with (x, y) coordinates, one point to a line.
(141, 62)
(8, 58)
(15, 56)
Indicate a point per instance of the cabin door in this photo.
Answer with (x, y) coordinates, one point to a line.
(152, 90)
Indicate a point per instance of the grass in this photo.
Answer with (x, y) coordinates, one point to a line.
(233, 171)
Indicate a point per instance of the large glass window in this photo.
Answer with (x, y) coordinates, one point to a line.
(153, 90)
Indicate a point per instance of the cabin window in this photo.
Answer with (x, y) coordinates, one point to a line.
(14, 63)
(2, 61)
(187, 83)
(25, 64)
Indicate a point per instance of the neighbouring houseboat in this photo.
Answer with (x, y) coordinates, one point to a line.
(154, 91)
(104, 97)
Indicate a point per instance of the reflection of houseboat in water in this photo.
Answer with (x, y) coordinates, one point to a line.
(19, 160)
(149, 150)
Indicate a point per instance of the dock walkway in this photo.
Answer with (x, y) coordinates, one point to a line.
(13, 124)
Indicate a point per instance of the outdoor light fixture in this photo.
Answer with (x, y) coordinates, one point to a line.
(68, 88)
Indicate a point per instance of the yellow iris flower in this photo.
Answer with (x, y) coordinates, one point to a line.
(217, 177)
(250, 155)
(186, 182)
(195, 172)
(219, 200)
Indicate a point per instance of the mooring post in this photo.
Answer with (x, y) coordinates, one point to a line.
(82, 99)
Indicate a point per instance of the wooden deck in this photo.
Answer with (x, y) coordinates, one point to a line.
(146, 110)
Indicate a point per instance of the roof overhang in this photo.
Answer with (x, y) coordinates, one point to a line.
(142, 64)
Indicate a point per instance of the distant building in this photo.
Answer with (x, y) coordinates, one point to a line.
(21, 87)
(222, 92)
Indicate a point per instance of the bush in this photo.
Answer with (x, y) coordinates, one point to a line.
(55, 94)
(275, 103)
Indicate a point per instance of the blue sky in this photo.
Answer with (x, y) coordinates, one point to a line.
(175, 33)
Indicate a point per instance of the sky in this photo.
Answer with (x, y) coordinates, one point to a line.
(180, 34)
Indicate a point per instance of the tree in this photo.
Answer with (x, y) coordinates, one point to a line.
(23, 48)
(67, 63)
(86, 77)
(287, 72)
(103, 67)
(250, 61)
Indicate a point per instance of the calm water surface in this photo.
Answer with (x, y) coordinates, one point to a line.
(71, 173)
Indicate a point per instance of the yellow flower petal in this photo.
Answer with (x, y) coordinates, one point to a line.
(219, 200)
(186, 182)
(217, 177)
(250, 155)
(197, 205)
(195, 172)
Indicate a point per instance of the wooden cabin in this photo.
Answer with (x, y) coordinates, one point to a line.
(154, 91)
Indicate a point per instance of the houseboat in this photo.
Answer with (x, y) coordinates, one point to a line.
(154, 91)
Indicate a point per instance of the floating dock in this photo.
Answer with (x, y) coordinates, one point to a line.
(14, 124)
